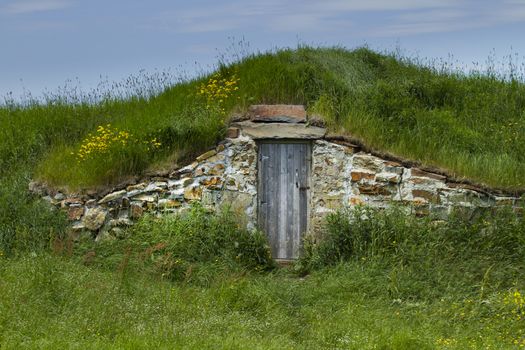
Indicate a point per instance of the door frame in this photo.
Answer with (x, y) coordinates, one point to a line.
(309, 158)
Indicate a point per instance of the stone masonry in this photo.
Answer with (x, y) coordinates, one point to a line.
(342, 176)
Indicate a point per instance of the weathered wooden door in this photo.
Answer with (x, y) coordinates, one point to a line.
(283, 185)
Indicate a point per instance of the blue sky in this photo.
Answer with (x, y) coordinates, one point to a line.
(45, 42)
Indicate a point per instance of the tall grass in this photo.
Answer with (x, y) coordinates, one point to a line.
(385, 281)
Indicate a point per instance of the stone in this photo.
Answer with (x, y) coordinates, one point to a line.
(112, 196)
(431, 197)
(146, 198)
(59, 197)
(216, 158)
(200, 171)
(504, 201)
(367, 162)
(169, 203)
(78, 226)
(94, 218)
(156, 187)
(120, 222)
(192, 193)
(281, 131)
(232, 133)
(206, 155)
(217, 169)
(421, 173)
(356, 201)
(136, 210)
(188, 168)
(239, 202)
(176, 194)
(37, 188)
(332, 201)
(374, 190)
(212, 182)
(388, 177)
(140, 186)
(360, 175)
(220, 148)
(277, 113)
(75, 213)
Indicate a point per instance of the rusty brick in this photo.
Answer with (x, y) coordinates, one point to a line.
(277, 113)
(374, 190)
(359, 175)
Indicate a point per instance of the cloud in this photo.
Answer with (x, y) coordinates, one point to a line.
(377, 18)
(31, 6)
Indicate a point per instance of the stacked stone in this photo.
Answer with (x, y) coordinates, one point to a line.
(224, 174)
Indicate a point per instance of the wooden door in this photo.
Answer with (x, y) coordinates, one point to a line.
(283, 186)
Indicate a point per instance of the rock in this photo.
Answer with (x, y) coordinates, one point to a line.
(140, 186)
(367, 162)
(94, 218)
(37, 188)
(356, 201)
(206, 155)
(239, 202)
(212, 182)
(176, 194)
(58, 197)
(75, 213)
(421, 173)
(112, 196)
(192, 193)
(188, 168)
(360, 175)
(136, 210)
(220, 148)
(216, 158)
(201, 171)
(146, 198)
(280, 131)
(374, 190)
(169, 203)
(232, 133)
(217, 169)
(156, 187)
(120, 222)
(277, 113)
(431, 197)
(390, 178)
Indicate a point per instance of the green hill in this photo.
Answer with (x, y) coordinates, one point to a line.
(378, 280)
(467, 124)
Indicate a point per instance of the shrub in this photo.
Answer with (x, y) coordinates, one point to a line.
(194, 246)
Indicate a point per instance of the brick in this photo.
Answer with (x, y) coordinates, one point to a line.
(277, 113)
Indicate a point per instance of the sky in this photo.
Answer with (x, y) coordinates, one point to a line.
(43, 43)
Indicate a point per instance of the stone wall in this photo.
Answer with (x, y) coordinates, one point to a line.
(226, 174)
(342, 176)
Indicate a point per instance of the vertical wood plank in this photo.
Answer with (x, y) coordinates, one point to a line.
(283, 175)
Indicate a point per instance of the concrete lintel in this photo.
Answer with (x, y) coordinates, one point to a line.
(280, 130)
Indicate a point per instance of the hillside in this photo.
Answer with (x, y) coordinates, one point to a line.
(377, 280)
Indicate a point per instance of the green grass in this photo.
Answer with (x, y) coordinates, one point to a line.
(183, 282)
(441, 289)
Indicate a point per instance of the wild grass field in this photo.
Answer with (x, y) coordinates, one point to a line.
(201, 281)
(386, 281)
